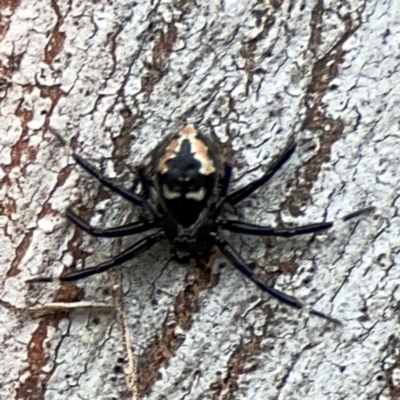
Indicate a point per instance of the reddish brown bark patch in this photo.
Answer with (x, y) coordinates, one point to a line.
(328, 129)
(57, 38)
(187, 301)
(161, 50)
(34, 387)
(11, 5)
(158, 354)
(226, 388)
(389, 376)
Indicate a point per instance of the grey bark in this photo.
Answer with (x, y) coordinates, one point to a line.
(114, 78)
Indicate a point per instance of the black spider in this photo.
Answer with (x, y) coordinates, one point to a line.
(184, 188)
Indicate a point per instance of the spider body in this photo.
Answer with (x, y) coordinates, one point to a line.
(185, 182)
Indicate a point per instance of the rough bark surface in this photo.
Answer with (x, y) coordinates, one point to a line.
(114, 78)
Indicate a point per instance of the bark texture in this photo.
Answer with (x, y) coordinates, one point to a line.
(114, 78)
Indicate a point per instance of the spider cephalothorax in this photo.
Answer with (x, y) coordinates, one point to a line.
(184, 189)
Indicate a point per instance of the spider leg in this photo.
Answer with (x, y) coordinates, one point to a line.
(226, 180)
(238, 195)
(147, 192)
(229, 252)
(145, 183)
(129, 253)
(223, 190)
(91, 170)
(124, 230)
(250, 229)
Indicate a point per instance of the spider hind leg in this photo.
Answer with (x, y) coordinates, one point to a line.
(131, 252)
(229, 252)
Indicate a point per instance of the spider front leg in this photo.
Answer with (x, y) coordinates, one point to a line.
(131, 252)
(119, 231)
(251, 229)
(91, 170)
(229, 252)
(240, 194)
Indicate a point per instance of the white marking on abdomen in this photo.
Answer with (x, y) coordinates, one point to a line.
(198, 195)
(169, 194)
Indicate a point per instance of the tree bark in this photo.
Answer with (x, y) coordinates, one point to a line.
(113, 78)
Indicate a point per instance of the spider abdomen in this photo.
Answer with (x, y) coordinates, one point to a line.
(186, 170)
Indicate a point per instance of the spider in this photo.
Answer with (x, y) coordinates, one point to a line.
(185, 183)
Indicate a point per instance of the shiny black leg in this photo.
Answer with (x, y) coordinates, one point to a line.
(131, 252)
(250, 229)
(229, 252)
(91, 170)
(240, 194)
(119, 231)
(226, 180)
